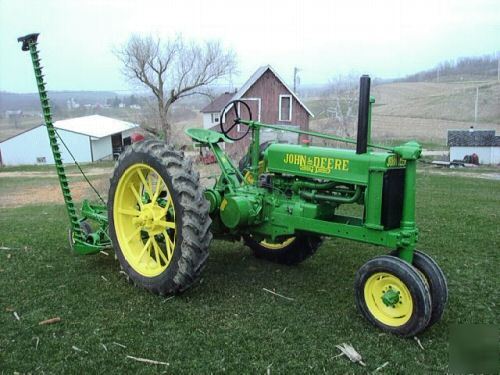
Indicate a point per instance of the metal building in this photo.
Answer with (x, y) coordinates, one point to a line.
(90, 138)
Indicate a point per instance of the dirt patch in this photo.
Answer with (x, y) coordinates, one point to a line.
(50, 192)
(90, 173)
(47, 190)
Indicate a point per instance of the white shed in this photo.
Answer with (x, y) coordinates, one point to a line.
(211, 113)
(90, 138)
(484, 143)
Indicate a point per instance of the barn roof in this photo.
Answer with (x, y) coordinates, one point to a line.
(95, 126)
(259, 73)
(220, 102)
(473, 138)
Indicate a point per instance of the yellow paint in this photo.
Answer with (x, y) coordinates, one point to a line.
(145, 229)
(375, 287)
(248, 177)
(277, 246)
(223, 205)
(317, 164)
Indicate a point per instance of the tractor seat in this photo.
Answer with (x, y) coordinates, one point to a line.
(206, 136)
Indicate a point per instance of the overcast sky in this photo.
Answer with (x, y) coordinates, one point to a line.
(386, 39)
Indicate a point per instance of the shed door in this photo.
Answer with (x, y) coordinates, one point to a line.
(117, 144)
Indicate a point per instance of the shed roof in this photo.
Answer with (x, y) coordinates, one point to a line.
(220, 102)
(95, 126)
(473, 138)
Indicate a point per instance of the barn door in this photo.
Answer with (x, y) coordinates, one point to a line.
(254, 104)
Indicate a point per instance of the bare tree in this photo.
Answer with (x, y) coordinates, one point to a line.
(341, 104)
(174, 68)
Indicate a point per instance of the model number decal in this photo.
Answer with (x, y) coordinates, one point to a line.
(316, 164)
(395, 161)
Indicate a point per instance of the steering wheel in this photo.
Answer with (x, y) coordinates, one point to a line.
(236, 121)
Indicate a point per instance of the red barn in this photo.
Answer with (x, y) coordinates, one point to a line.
(270, 100)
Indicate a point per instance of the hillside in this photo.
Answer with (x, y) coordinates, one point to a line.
(31, 102)
(471, 68)
(422, 110)
(447, 101)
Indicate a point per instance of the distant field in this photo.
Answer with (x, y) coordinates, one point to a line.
(446, 101)
(424, 111)
(399, 127)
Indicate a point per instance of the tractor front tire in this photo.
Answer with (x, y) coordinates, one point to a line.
(158, 218)
(436, 281)
(293, 250)
(392, 295)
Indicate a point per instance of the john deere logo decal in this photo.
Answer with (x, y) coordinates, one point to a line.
(316, 164)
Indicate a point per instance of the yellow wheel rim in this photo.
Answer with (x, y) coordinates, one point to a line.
(144, 219)
(278, 245)
(388, 299)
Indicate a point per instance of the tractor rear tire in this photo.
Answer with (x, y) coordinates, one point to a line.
(393, 295)
(436, 281)
(292, 251)
(158, 218)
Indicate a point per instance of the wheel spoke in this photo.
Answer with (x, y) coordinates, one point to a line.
(145, 183)
(135, 233)
(169, 244)
(167, 224)
(136, 194)
(147, 246)
(158, 188)
(167, 205)
(125, 211)
(159, 253)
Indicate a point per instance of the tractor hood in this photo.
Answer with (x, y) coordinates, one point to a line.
(328, 163)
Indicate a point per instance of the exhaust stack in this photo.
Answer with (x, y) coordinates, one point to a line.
(363, 109)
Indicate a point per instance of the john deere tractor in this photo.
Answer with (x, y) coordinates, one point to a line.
(281, 202)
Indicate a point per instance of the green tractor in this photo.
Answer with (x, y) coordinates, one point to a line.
(282, 201)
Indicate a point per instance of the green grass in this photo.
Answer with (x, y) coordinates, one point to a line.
(228, 323)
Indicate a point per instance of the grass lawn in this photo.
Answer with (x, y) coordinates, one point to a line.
(228, 323)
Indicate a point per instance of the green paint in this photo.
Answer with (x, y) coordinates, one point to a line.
(30, 43)
(307, 186)
(390, 297)
(83, 244)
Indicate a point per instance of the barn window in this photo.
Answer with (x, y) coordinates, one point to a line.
(215, 118)
(285, 108)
